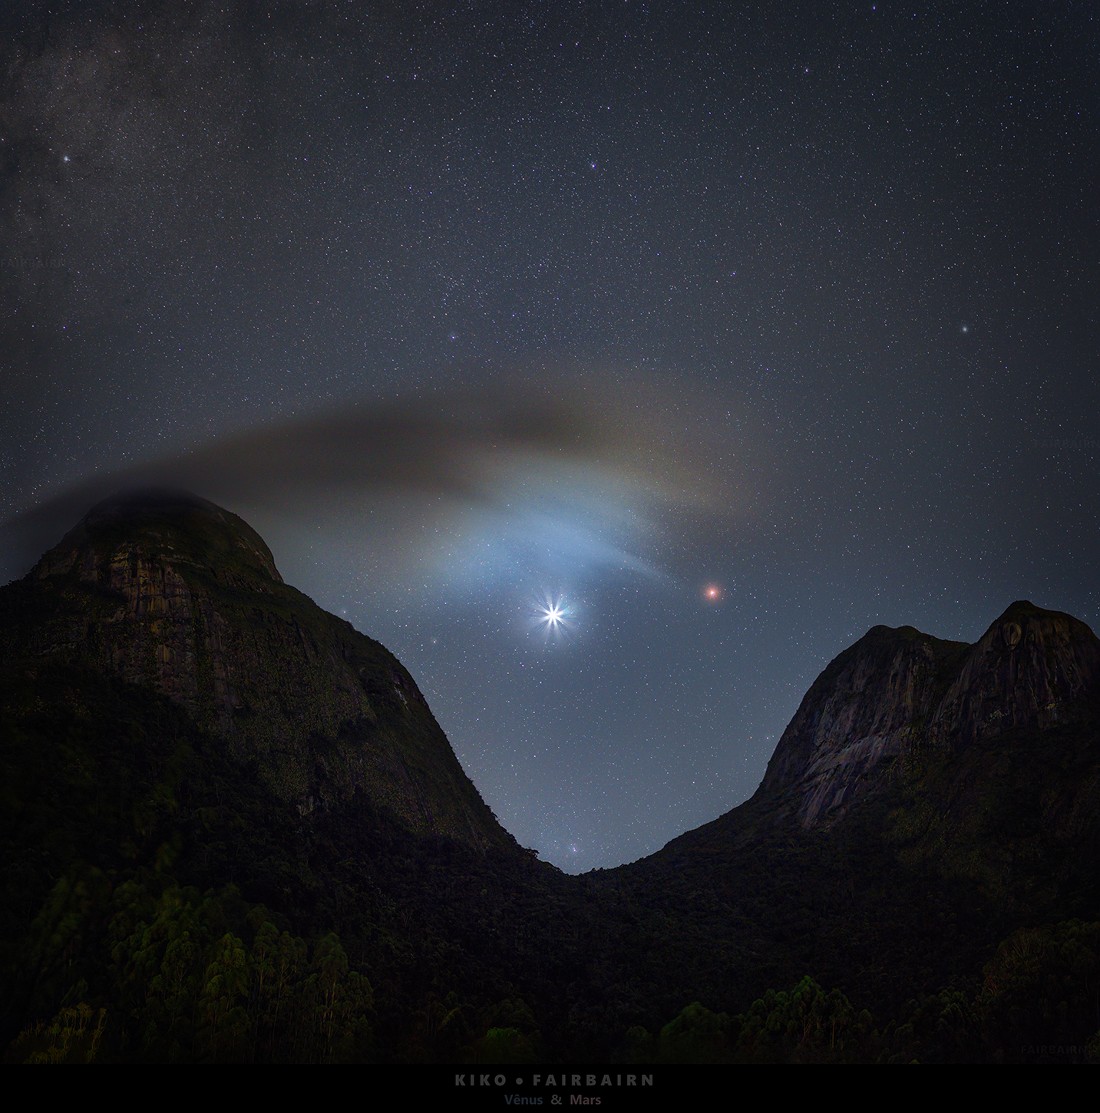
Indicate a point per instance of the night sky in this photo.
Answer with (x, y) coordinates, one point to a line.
(615, 364)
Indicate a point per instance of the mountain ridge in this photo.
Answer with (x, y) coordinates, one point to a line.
(896, 691)
(198, 759)
(160, 553)
(166, 590)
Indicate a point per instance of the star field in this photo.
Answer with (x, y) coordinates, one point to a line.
(722, 332)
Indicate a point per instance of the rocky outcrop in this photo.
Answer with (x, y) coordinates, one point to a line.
(896, 691)
(166, 591)
(1031, 669)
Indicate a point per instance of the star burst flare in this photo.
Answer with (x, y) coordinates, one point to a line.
(552, 615)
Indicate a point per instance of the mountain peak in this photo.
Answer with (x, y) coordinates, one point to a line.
(1023, 616)
(180, 600)
(1033, 668)
(856, 717)
(897, 690)
(161, 524)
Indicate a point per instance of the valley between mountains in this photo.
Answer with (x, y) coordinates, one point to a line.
(232, 830)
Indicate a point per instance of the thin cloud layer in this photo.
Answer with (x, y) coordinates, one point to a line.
(463, 484)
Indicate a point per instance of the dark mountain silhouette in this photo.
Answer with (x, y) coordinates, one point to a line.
(230, 828)
(898, 692)
(167, 592)
(929, 801)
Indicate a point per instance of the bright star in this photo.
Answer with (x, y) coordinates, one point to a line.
(552, 614)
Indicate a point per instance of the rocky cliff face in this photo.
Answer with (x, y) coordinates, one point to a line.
(1032, 669)
(169, 592)
(896, 691)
